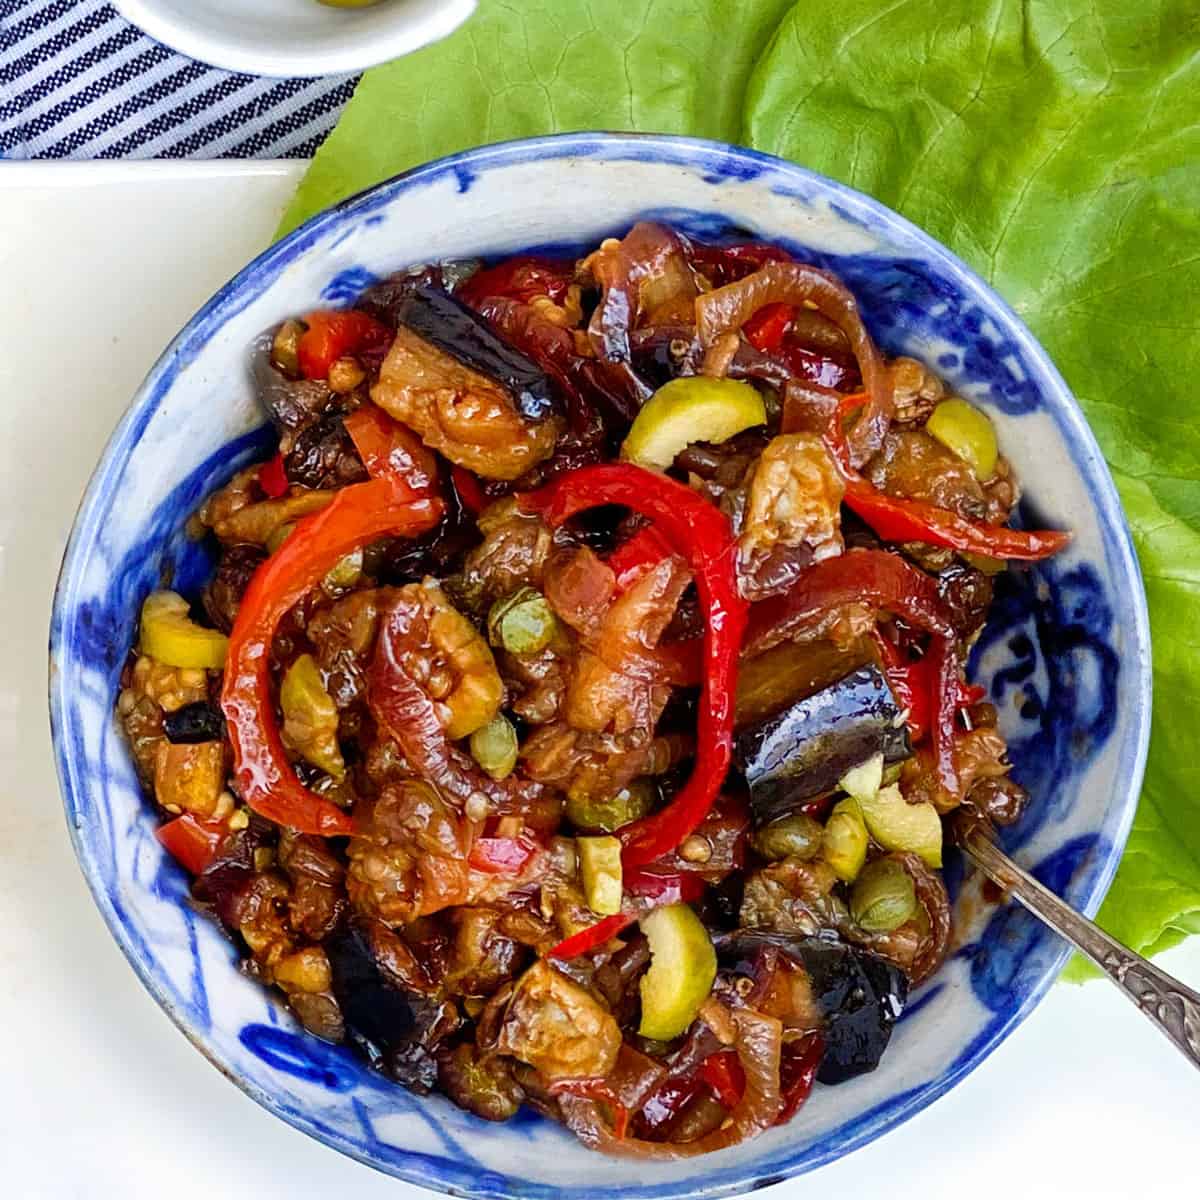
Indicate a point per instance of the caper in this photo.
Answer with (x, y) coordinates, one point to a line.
(607, 813)
(522, 623)
(494, 747)
(883, 898)
(795, 836)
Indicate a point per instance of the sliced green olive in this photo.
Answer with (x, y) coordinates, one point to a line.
(968, 432)
(600, 864)
(683, 965)
(897, 825)
(523, 623)
(795, 836)
(310, 717)
(864, 780)
(494, 747)
(345, 573)
(607, 813)
(692, 409)
(844, 843)
(883, 898)
(169, 636)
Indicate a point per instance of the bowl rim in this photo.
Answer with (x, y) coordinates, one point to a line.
(1087, 458)
(339, 57)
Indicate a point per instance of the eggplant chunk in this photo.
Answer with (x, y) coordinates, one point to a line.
(397, 1031)
(860, 994)
(801, 753)
(453, 328)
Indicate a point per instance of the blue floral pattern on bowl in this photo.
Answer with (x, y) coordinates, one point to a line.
(1066, 657)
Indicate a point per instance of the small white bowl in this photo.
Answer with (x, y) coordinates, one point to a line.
(295, 37)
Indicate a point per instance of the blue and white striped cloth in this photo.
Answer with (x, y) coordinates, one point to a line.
(78, 81)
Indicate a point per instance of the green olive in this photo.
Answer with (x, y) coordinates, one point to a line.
(795, 836)
(967, 431)
(883, 898)
(606, 813)
(844, 842)
(494, 747)
(522, 623)
(345, 573)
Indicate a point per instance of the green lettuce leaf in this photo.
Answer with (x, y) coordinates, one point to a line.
(1051, 144)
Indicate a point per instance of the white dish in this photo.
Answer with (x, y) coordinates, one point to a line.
(295, 37)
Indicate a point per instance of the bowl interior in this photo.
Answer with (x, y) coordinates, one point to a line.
(1065, 657)
(282, 37)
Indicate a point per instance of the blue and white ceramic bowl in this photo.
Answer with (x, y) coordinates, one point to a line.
(1065, 657)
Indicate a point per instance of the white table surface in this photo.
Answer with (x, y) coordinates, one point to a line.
(100, 1095)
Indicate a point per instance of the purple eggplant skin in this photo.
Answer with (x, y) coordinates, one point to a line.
(449, 325)
(799, 754)
(860, 994)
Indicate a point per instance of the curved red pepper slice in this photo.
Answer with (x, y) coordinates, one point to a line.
(898, 519)
(356, 515)
(593, 936)
(701, 534)
(272, 477)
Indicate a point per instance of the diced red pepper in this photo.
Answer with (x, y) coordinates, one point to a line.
(523, 278)
(502, 855)
(765, 330)
(593, 936)
(361, 513)
(272, 477)
(726, 1079)
(701, 533)
(192, 841)
(469, 489)
(332, 334)
(798, 1067)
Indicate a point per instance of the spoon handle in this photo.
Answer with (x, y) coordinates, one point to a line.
(1174, 1008)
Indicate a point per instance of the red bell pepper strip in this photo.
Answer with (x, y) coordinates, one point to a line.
(192, 841)
(501, 855)
(593, 936)
(357, 515)
(332, 334)
(899, 519)
(913, 685)
(390, 450)
(701, 534)
(470, 490)
(798, 1067)
(723, 1074)
(523, 278)
(272, 477)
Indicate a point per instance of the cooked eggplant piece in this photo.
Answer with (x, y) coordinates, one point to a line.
(802, 752)
(456, 330)
(860, 994)
(395, 1030)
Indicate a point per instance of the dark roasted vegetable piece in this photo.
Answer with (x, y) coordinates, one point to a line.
(456, 330)
(197, 722)
(323, 456)
(396, 1031)
(860, 994)
(803, 751)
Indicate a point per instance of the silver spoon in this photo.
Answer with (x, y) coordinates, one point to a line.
(1174, 1008)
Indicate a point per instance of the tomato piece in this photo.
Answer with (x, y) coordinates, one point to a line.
(522, 278)
(726, 1079)
(765, 330)
(469, 489)
(501, 855)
